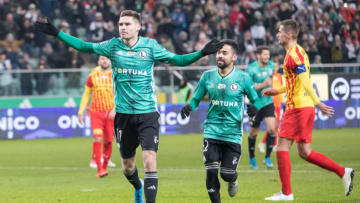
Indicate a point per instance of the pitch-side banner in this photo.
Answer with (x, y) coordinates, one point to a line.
(62, 122)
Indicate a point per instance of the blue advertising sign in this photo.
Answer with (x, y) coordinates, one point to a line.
(35, 123)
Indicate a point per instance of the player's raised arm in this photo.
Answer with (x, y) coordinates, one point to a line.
(199, 93)
(163, 55)
(45, 26)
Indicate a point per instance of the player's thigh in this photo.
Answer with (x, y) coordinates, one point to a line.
(148, 131)
(270, 123)
(230, 156)
(109, 130)
(211, 151)
(127, 139)
(97, 124)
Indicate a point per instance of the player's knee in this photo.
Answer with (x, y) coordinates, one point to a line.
(303, 154)
(228, 175)
(97, 139)
(149, 160)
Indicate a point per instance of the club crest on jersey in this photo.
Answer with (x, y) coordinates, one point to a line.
(142, 54)
(234, 86)
(211, 86)
(221, 86)
(119, 52)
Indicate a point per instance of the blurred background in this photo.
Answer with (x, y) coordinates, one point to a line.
(39, 71)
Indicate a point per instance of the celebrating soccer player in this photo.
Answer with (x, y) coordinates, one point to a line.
(227, 87)
(261, 72)
(136, 121)
(99, 87)
(297, 122)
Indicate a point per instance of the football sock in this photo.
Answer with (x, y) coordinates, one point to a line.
(97, 154)
(251, 140)
(133, 178)
(150, 186)
(107, 153)
(264, 138)
(325, 163)
(269, 144)
(284, 167)
(212, 182)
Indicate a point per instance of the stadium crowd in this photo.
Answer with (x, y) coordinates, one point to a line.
(330, 31)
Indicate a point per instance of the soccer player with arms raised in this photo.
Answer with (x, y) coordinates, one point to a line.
(137, 120)
(99, 87)
(227, 87)
(297, 122)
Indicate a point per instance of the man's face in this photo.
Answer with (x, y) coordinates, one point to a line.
(282, 36)
(104, 62)
(264, 56)
(225, 56)
(129, 27)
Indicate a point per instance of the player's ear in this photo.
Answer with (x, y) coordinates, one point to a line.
(234, 57)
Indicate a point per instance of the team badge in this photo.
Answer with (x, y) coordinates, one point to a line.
(221, 86)
(156, 140)
(211, 86)
(234, 86)
(142, 54)
(119, 52)
(234, 162)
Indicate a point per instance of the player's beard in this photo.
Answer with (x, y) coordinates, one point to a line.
(223, 65)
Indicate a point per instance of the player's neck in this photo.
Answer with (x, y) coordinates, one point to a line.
(131, 42)
(261, 64)
(105, 69)
(224, 72)
(290, 44)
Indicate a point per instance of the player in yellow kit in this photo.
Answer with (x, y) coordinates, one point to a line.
(99, 87)
(298, 119)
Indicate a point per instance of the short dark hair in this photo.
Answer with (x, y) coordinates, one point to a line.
(231, 43)
(291, 25)
(131, 13)
(261, 48)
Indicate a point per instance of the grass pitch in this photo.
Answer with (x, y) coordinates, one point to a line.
(58, 171)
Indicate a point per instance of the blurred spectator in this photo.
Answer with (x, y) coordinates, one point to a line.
(97, 28)
(181, 43)
(73, 78)
(6, 78)
(184, 92)
(178, 19)
(324, 48)
(26, 84)
(42, 78)
(32, 13)
(9, 26)
(10, 43)
(351, 50)
(258, 30)
(166, 43)
(337, 50)
(28, 35)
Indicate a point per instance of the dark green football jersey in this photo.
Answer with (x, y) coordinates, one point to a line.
(134, 87)
(258, 75)
(226, 109)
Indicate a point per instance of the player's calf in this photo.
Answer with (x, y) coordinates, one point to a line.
(212, 182)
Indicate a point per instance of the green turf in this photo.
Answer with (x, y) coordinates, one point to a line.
(57, 171)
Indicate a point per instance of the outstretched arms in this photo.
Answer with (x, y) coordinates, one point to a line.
(45, 26)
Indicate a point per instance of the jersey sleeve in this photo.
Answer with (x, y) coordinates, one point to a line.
(89, 83)
(103, 48)
(296, 61)
(251, 92)
(199, 93)
(160, 53)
